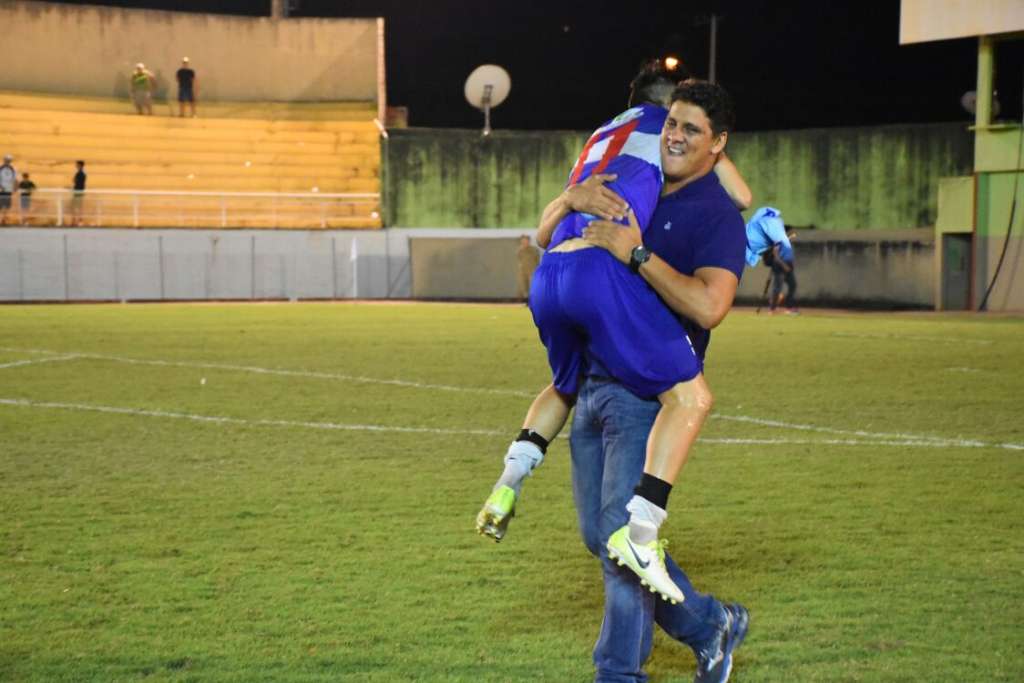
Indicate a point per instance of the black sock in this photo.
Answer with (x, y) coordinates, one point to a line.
(534, 438)
(654, 490)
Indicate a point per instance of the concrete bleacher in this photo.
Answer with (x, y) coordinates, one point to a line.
(252, 147)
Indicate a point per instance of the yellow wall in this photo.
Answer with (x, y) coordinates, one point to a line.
(90, 50)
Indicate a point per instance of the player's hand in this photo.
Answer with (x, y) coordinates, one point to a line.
(619, 239)
(591, 196)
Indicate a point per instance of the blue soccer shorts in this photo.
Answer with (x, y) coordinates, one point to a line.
(586, 300)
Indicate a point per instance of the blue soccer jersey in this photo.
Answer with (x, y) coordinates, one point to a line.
(629, 146)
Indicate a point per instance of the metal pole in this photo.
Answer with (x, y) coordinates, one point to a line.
(488, 90)
(67, 289)
(334, 267)
(714, 47)
(252, 267)
(160, 252)
(986, 69)
(21, 275)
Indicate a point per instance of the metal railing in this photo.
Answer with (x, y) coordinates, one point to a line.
(145, 208)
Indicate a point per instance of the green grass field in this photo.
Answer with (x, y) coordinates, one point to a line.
(287, 493)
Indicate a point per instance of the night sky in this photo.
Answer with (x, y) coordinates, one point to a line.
(788, 64)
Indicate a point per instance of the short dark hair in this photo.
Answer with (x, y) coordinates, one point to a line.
(712, 98)
(653, 84)
(80, 163)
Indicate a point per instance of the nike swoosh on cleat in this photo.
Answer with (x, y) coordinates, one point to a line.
(643, 565)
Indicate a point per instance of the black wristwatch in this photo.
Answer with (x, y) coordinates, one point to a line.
(639, 256)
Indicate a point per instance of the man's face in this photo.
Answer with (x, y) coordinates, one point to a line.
(688, 147)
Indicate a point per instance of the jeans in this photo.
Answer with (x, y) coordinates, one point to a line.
(780, 276)
(608, 441)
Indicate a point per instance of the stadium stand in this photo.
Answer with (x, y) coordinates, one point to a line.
(240, 164)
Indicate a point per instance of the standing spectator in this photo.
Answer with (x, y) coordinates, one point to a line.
(142, 89)
(25, 189)
(782, 271)
(186, 87)
(8, 176)
(528, 258)
(766, 234)
(78, 194)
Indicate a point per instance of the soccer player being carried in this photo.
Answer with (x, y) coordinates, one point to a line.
(590, 307)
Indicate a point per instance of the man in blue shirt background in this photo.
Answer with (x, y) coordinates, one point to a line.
(766, 234)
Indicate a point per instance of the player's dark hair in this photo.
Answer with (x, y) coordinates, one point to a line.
(653, 84)
(712, 98)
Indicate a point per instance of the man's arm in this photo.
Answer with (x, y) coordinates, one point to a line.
(733, 183)
(590, 196)
(705, 297)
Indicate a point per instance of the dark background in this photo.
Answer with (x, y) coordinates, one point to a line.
(792, 64)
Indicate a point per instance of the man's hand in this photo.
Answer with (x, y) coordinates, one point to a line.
(591, 196)
(619, 239)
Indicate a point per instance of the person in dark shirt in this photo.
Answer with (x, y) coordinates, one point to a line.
(186, 76)
(78, 194)
(25, 189)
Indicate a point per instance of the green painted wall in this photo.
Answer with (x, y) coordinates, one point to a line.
(882, 178)
(458, 179)
(873, 178)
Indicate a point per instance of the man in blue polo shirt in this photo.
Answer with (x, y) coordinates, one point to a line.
(692, 255)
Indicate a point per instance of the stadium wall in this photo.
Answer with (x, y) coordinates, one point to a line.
(856, 269)
(877, 178)
(91, 50)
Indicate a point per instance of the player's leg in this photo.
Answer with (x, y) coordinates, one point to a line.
(545, 418)
(791, 304)
(643, 345)
(549, 410)
(684, 407)
(777, 295)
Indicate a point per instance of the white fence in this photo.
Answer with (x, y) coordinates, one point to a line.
(142, 208)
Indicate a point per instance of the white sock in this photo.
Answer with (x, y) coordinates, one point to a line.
(644, 519)
(520, 460)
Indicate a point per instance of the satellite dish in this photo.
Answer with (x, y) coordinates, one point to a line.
(969, 101)
(486, 88)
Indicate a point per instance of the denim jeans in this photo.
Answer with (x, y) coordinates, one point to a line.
(608, 441)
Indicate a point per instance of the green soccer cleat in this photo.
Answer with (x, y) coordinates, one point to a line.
(497, 512)
(646, 561)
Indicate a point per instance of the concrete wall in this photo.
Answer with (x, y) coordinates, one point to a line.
(857, 269)
(53, 264)
(883, 177)
(878, 270)
(91, 50)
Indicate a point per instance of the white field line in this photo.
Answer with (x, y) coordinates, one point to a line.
(937, 441)
(911, 337)
(19, 363)
(290, 373)
(217, 419)
(222, 420)
(881, 438)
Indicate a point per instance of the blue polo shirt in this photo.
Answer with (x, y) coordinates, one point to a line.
(695, 227)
